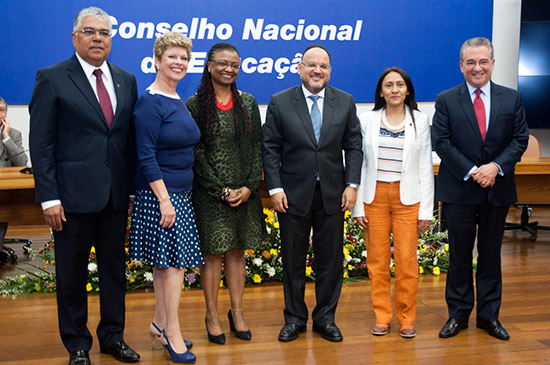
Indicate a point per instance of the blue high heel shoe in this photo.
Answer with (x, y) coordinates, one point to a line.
(186, 357)
(155, 336)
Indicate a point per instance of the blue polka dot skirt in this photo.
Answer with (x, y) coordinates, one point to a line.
(175, 247)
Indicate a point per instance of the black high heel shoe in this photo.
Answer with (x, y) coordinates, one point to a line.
(243, 335)
(219, 339)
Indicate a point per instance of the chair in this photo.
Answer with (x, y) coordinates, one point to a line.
(533, 150)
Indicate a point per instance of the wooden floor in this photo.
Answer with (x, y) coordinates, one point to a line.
(28, 325)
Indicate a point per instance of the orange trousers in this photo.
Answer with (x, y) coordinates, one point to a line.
(387, 214)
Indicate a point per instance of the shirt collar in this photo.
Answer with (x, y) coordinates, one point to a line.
(485, 88)
(308, 93)
(89, 69)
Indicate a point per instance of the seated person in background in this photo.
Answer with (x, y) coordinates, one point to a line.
(11, 148)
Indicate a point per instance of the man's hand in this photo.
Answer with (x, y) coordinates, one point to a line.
(363, 222)
(485, 175)
(131, 206)
(55, 216)
(238, 196)
(6, 129)
(279, 202)
(349, 197)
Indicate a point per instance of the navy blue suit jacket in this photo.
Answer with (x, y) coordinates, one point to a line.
(76, 158)
(457, 140)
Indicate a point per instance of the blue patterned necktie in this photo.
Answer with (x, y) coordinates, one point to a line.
(316, 117)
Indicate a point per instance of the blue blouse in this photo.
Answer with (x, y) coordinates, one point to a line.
(165, 136)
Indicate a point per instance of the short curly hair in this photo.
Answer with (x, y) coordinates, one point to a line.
(172, 39)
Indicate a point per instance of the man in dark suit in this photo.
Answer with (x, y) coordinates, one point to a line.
(12, 152)
(83, 154)
(479, 131)
(307, 128)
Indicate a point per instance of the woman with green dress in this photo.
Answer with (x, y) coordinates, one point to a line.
(227, 176)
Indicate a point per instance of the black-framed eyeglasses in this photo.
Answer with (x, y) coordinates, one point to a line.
(225, 64)
(90, 32)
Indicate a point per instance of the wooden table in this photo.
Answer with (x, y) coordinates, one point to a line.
(17, 206)
(532, 180)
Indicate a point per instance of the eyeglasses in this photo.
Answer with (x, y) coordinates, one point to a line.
(225, 64)
(322, 66)
(484, 63)
(90, 32)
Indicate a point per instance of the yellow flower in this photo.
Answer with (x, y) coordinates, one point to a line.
(92, 250)
(346, 274)
(257, 278)
(350, 247)
(129, 265)
(89, 287)
(53, 262)
(266, 254)
(221, 283)
(126, 249)
(132, 280)
(276, 225)
(249, 252)
(421, 248)
(346, 253)
(392, 269)
(134, 262)
(350, 268)
(309, 269)
(37, 287)
(46, 262)
(436, 271)
(347, 214)
(446, 247)
(420, 270)
(273, 252)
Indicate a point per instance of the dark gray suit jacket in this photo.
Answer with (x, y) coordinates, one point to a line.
(457, 140)
(12, 153)
(75, 156)
(292, 156)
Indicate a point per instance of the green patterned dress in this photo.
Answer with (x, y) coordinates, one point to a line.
(225, 160)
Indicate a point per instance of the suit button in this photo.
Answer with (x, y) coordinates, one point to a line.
(108, 164)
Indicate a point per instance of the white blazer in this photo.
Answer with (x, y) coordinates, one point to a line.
(417, 177)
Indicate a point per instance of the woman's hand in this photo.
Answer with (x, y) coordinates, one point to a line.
(423, 225)
(168, 214)
(363, 222)
(238, 196)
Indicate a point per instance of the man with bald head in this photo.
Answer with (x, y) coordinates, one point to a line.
(82, 144)
(307, 129)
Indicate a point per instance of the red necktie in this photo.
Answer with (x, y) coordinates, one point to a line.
(104, 99)
(479, 108)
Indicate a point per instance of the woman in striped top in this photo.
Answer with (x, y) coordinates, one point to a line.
(395, 196)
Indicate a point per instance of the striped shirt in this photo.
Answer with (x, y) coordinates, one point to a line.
(390, 150)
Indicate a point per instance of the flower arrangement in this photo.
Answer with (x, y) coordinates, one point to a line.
(262, 264)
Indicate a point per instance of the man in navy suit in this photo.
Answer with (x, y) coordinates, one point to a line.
(83, 154)
(480, 133)
(307, 128)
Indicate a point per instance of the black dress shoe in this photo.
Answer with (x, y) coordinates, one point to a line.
(493, 328)
(290, 331)
(79, 357)
(451, 328)
(121, 351)
(329, 332)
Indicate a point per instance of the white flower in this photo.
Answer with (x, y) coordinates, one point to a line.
(92, 267)
(270, 271)
(257, 261)
(435, 261)
(268, 230)
(364, 253)
(148, 276)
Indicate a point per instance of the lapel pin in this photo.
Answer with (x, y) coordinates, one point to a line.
(118, 85)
